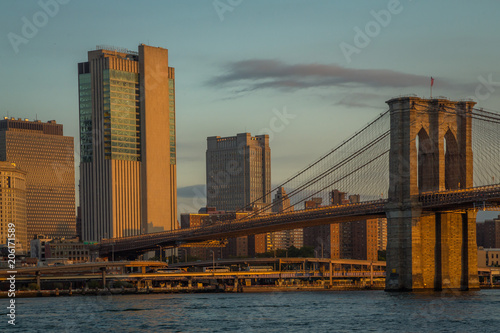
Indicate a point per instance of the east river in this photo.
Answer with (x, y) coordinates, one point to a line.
(328, 311)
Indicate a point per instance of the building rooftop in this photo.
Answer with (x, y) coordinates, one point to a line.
(51, 127)
(5, 165)
(116, 49)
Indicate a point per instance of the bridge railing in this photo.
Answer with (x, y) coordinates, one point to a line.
(479, 193)
(299, 213)
(225, 227)
(229, 228)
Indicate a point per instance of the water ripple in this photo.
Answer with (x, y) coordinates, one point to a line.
(344, 311)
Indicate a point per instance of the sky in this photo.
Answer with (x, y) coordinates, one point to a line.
(308, 73)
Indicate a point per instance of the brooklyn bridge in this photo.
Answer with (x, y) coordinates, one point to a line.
(427, 165)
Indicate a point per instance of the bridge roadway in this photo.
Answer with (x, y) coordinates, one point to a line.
(141, 270)
(203, 276)
(122, 266)
(278, 261)
(450, 200)
(138, 270)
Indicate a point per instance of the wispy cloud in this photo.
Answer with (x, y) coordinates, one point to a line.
(193, 191)
(266, 73)
(359, 100)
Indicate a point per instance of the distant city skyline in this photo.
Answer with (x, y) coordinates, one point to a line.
(262, 67)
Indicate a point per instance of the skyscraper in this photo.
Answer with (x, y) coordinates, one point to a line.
(47, 157)
(128, 178)
(238, 171)
(13, 206)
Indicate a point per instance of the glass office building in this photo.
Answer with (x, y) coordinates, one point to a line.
(127, 142)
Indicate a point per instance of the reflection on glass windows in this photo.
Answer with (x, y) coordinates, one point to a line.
(171, 108)
(122, 122)
(85, 105)
(121, 116)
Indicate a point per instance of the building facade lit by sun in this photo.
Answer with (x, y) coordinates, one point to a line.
(128, 178)
(47, 156)
(13, 206)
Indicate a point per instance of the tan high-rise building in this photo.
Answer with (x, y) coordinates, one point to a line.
(13, 207)
(382, 234)
(47, 156)
(238, 171)
(128, 179)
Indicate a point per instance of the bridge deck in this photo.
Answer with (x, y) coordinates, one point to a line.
(443, 200)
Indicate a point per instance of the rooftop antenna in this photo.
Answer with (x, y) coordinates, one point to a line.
(36, 116)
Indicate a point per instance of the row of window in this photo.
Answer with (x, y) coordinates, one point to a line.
(85, 117)
(171, 86)
(122, 76)
(114, 138)
(123, 157)
(129, 114)
(118, 107)
(117, 88)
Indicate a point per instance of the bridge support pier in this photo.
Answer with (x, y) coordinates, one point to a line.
(456, 250)
(431, 250)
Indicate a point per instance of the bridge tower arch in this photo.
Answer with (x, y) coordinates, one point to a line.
(451, 162)
(431, 150)
(426, 162)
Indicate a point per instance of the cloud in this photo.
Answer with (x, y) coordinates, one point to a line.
(194, 191)
(191, 198)
(354, 100)
(266, 73)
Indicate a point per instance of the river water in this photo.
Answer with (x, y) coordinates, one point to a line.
(326, 311)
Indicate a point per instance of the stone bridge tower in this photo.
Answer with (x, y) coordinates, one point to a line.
(430, 151)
